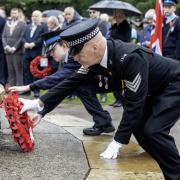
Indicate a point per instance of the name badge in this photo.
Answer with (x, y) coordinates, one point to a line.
(44, 62)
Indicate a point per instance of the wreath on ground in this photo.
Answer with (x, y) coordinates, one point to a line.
(20, 124)
(38, 71)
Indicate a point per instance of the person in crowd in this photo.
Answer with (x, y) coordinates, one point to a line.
(120, 30)
(87, 92)
(171, 30)
(94, 13)
(33, 45)
(105, 19)
(151, 92)
(134, 33)
(22, 17)
(71, 17)
(144, 38)
(44, 18)
(61, 20)
(3, 67)
(2, 12)
(13, 47)
(104, 25)
(53, 23)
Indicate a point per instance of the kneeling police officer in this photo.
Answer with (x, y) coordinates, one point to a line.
(151, 91)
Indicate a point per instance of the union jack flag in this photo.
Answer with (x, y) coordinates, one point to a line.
(156, 34)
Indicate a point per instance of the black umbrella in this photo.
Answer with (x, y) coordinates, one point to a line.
(108, 6)
(52, 12)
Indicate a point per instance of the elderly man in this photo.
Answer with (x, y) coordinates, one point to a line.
(171, 31)
(53, 23)
(151, 91)
(33, 45)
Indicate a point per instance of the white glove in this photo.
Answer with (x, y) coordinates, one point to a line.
(112, 150)
(30, 105)
(19, 88)
(2, 91)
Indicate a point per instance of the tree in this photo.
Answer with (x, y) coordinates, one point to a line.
(81, 5)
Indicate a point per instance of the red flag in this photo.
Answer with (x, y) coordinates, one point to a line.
(156, 34)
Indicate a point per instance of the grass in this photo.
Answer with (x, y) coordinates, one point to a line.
(109, 100)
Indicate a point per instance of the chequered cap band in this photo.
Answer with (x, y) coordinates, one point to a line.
(84, 38)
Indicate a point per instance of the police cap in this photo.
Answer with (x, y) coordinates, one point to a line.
(170, 2)
(50, 39)
(76, 36)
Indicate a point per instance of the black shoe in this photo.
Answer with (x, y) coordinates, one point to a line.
(117, 104)
(36, 94)
(96, 131)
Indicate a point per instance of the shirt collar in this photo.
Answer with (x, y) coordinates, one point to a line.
(66, 58)
(104, 59)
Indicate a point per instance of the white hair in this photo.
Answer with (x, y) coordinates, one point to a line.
(39, 13)
(104, 17)
(54, 20)
(150, 14)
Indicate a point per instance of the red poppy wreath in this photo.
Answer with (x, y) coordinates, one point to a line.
(36, 72)
(20, 124)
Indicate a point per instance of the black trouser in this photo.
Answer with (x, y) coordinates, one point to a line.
(87, 94)
(28, 77)
(152, 133)
(3, 69)
(117, 96)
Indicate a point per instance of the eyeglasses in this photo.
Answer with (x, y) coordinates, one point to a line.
(92, 12)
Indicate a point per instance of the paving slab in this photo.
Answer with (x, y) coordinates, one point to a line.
(57, 155)
(98, 174)
(133, 163)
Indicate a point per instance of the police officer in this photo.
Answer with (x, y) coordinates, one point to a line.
(171, 30)
(87, 93)
(151, 92)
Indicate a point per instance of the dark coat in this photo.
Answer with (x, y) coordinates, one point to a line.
(121, 31)
(144, 74)
(35, 51)
(2, 24)
(77, 18)
(3, 67)
(171, 39)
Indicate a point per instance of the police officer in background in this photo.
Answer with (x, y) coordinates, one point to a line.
(171, 30)
(151, 92)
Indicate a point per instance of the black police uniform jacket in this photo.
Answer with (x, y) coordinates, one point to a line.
(144, 74)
